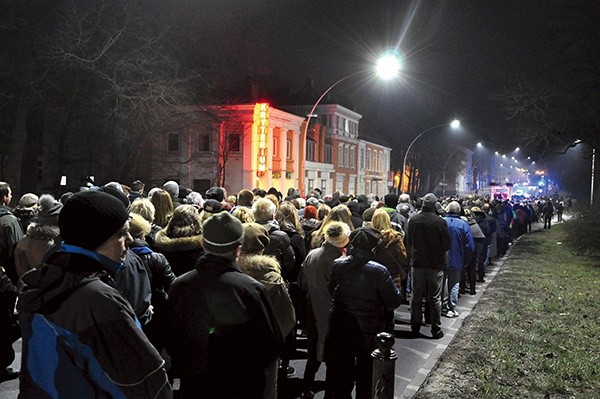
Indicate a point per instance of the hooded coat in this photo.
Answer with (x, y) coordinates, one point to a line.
(80, 336)
(265, 269)
(181, 252)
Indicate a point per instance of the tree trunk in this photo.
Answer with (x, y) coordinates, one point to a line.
(17, 145)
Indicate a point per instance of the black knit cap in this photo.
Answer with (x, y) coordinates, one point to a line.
(222, 233)
(89, 218)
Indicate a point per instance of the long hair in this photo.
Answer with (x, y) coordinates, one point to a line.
(163, 205)
(381, 220)
(288, 214)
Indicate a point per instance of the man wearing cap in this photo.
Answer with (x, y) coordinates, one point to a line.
(221, 319)
(80, 336)
(427, 240)
(10, 233)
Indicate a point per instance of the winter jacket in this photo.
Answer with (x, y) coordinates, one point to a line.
(133, 282)
(461, 242)
(362, 290)
(428, 240)
(391, 253)
(80, 337)
(10, 234)
(281, 248)
(181, 252)
(314, 278)
(265, 269)
(219, 315)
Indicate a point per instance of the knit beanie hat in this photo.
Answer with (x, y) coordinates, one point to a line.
(118, 194)
(256, 238)
(222, 233)
(89, 218)
(364, 238)
(337, 234)
(310, 212)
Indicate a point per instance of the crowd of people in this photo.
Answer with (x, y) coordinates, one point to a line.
(122, 291)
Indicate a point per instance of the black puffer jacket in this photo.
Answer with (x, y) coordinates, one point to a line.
(362, 290)
(159, 270)
(281, 248)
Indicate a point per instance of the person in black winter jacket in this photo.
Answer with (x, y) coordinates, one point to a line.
(362, 290)
(161, 276)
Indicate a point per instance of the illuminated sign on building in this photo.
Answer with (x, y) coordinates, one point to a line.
(261, 123)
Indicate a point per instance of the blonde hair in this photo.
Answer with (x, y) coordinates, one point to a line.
(263, 209)
(163, 205)
(273, 199)
(381, 220)
(288, 214)
(244, 214)
(185, 222)
(139, 227)
(145, 208)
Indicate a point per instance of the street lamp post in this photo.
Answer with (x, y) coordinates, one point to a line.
(386, 68)
(454, 124)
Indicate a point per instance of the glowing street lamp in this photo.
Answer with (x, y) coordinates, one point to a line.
(455, 124)
(386, 68)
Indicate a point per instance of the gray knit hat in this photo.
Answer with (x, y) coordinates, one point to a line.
(222, 233)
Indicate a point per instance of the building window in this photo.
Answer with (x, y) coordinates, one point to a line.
(374, 160)
(310, 150)
(275, 147)
(324, 185)
(173, 145)
(362, 158)
(346, 126)
(203, 142)
(346, 157)
(288, 149)
(340, 155)
(233, 142)
(328, 153)
(368, 166)
(352, 155)
(201, 185)
(311, 184)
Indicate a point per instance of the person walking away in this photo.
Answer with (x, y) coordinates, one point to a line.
(314, 278)
(80, 336)
(10, 233)
(265, 269)
(220, 318)
(548, 211)
(459, 255)
(362, 291)
(428, 240)
(560, 207)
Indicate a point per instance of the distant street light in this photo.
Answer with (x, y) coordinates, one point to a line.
(454, 125)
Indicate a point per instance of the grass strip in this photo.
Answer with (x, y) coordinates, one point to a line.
(535, 332)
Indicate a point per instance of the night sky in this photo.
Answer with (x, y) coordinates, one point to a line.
(457, 56)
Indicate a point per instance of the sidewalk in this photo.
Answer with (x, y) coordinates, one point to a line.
(416, 356)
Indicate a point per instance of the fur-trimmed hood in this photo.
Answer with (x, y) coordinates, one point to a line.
(166, 244)
(263, 268)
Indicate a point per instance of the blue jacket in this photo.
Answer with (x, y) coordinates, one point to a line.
(80, 338)
(461, 242)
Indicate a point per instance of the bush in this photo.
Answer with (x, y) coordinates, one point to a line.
(582, 225)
